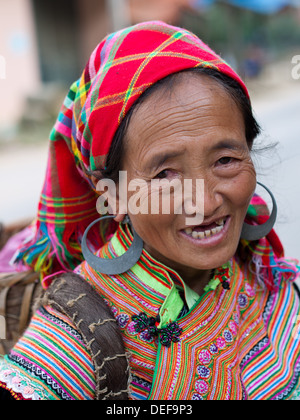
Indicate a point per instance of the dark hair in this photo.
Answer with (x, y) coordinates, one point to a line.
(114, 159)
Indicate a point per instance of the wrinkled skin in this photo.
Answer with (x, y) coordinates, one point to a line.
(194, 132)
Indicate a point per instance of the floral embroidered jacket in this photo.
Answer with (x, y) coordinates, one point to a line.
(239, 340)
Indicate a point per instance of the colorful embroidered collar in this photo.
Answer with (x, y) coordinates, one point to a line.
(176, 292)
(234, 343)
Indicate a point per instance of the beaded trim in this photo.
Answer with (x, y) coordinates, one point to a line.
(19, 385)
(166, 334)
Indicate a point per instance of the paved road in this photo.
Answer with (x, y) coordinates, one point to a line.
(22, 170)
(21, 176)
(280, 168)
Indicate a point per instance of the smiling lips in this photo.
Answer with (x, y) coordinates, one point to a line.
(206, 231)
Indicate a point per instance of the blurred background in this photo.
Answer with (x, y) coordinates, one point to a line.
(44, 45)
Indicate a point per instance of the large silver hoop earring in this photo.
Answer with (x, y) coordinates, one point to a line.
(116, 265)
(254, 233)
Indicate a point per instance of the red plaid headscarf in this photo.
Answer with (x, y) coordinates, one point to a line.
(120, 69)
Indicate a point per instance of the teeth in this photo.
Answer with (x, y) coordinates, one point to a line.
(206, 233)
(220, 222)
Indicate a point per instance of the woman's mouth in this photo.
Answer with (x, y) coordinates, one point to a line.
(203, 232)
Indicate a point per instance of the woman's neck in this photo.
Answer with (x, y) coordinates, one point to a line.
(196, 279)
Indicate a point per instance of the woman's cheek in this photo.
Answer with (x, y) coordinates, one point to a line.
(138, 197)
(159, 197)
(244, 187)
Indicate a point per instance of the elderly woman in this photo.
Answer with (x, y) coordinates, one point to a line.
(203, 298)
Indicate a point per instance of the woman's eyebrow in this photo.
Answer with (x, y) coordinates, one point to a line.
(230, 144)
(158, 160)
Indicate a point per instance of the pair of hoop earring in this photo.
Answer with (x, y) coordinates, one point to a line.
(126, 261)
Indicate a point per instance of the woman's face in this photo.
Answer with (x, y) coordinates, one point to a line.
(194, 132)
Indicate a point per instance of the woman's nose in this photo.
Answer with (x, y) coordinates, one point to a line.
(213, 199)
(202, 200)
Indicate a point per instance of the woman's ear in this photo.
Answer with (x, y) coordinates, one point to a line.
(110, 201)
(119, 218)
(110, 198)
(121, 198)
(121, 207)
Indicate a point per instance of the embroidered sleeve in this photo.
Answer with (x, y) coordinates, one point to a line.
(50, 362)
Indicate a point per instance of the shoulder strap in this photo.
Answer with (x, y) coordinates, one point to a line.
(76, 298)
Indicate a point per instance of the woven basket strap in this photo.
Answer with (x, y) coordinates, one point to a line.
(7, 281)
(4, 292)
(26, 306)
(76, 298)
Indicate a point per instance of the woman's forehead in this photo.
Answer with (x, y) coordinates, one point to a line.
(196, 107)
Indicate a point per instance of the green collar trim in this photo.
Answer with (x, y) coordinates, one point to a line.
(173, 303)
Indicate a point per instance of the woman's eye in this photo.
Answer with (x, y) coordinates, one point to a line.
(163, 174)
(225, 160)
